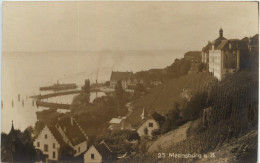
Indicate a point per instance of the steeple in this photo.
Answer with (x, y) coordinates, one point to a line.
(12, 128)
(221, 32)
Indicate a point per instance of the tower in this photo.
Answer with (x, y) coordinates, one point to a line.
(221, 32)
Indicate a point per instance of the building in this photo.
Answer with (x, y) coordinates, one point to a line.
(119, 123)
(147, 126)
(225, 58)
(99, 153)
(125, 78)
(207, 48)
(51, 144)
(12, 147)
(193, 56)
(65, 138)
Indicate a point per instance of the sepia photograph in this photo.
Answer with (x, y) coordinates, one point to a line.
(129, 81)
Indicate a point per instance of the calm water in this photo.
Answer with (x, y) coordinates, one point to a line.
(24, 73)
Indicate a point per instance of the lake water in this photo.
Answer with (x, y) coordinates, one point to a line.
(24, 73)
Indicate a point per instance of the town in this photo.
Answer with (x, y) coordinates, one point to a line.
(195, 105)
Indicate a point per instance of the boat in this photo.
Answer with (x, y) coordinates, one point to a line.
(57, 87)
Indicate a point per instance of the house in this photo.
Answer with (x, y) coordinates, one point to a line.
(51, 144)
(207, 48)
(225, 58)
(64, 138)
(119, 124)
(99, 153)
(125, 77)
(147, 126)
(73, 135)
(145, 123)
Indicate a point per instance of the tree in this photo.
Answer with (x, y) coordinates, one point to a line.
(119, 96)
(195, 106)
(86, 87)
(139, 90)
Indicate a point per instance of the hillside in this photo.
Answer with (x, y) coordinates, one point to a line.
(162, 98)
(166, 140)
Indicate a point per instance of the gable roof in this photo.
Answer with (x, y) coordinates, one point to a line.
(221, 45)
(105, 151)
(73, 132)
(136, 121)
(63, 146)
(145, 119)
(121, 75)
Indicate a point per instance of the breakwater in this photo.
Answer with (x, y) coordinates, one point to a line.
(39, 97)
(52, 105)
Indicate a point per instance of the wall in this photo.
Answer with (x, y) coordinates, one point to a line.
(140, 130)
(82, 146)
(87, 156)
(215, 63)
(49, 141)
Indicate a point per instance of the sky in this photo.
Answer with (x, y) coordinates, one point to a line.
(97, 26)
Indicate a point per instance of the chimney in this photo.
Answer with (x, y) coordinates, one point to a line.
(142, 115)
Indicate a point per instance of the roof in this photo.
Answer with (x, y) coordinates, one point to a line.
(225, 42)
(115, 120)
(221, 45)
(58, 137)
(145, 119)
(207, 47)
(254, 40)
(136, 120)
(73, 132)
(104, 150)
(121, 75)
(218, 40)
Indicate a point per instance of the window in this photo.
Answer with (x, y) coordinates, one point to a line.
(53, 155)
(38, 144)
(79, 149)
(45, 148)
(53, 145)
(150, 124)
(46, 136)
(92, 156)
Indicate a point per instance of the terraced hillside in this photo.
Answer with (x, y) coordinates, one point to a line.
(162, 98)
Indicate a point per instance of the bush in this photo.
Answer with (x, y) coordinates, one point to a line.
(156, 132)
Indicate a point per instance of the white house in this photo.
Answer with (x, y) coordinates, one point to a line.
(147, 126)
(50, 142)
(73, 135)
(99, 153)
(66, 137)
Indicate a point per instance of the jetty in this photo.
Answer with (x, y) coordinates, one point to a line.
(52, 105)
